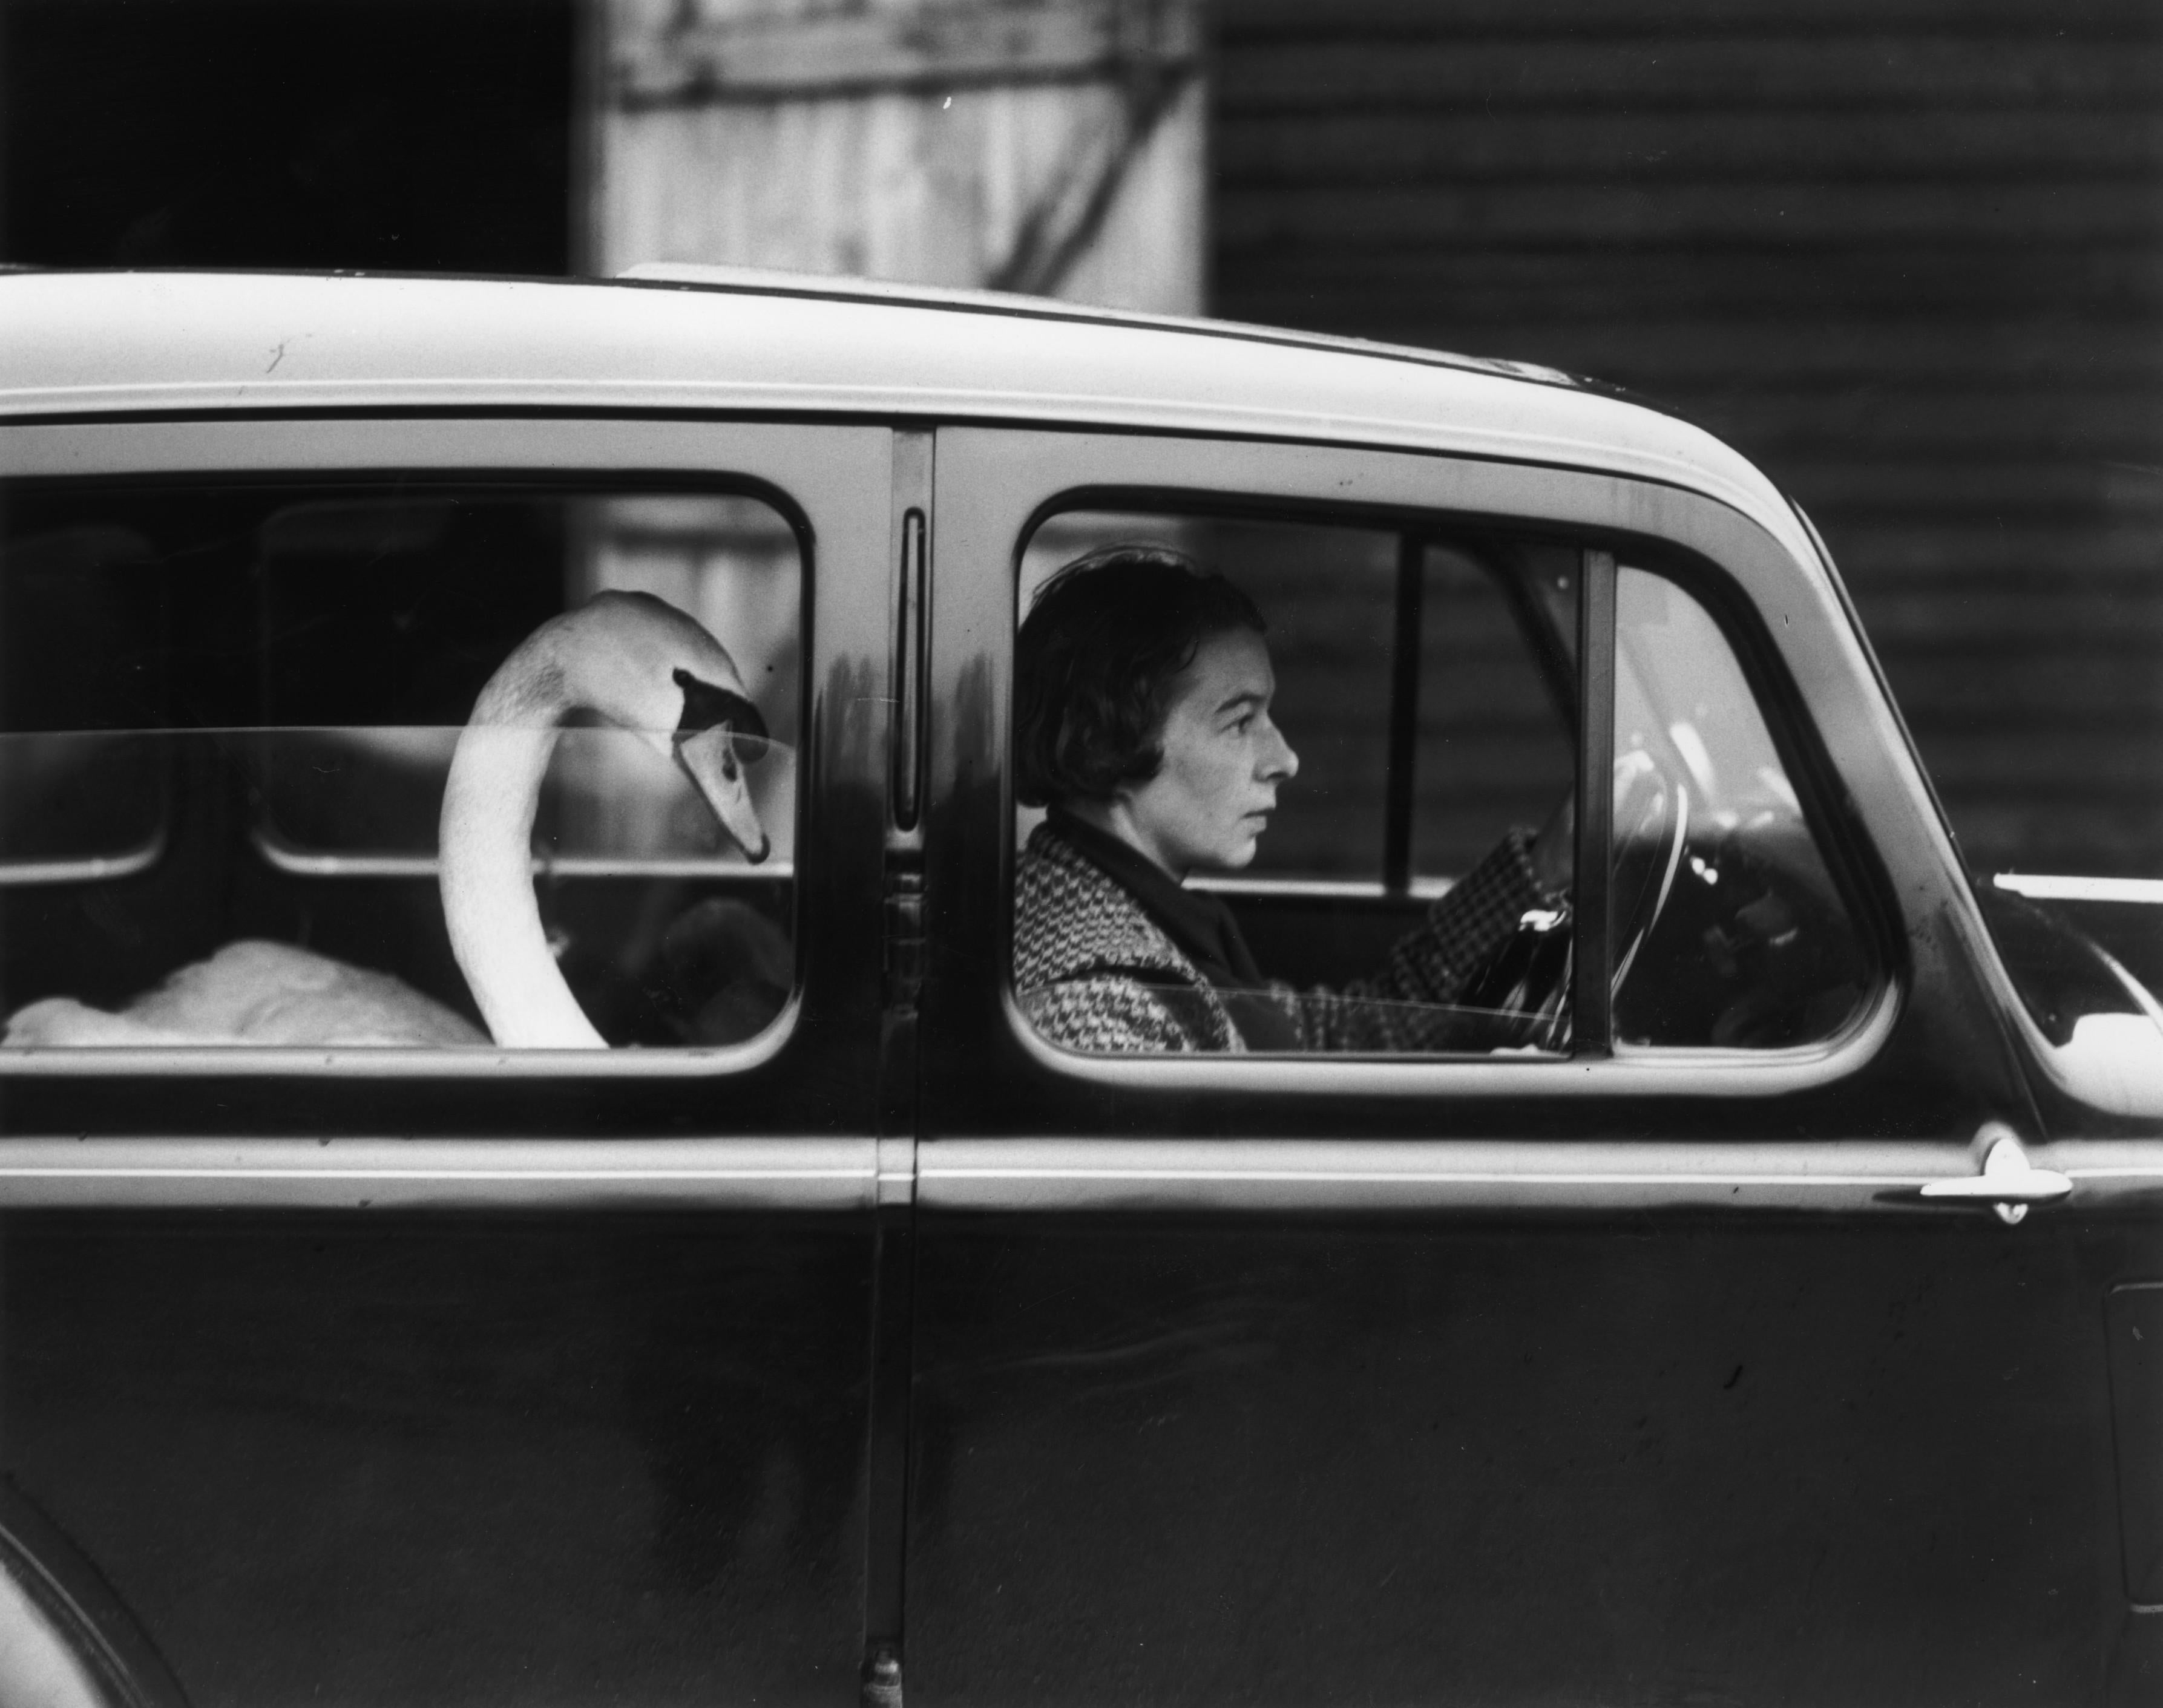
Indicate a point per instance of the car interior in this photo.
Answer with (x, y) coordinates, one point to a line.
(1426, 676)
(229, 712)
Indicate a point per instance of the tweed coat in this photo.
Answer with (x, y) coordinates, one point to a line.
(1093, 972)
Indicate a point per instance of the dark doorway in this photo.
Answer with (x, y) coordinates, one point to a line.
(395, 135)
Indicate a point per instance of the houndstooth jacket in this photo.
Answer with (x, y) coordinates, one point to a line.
(1093, 972)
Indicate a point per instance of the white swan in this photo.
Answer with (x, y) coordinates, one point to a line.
(631, 658)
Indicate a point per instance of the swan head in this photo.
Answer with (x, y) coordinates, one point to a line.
(646, 666)
(718, 734)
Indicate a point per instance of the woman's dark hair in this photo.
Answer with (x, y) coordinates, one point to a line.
(1095, 663)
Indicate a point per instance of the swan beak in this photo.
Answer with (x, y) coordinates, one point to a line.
(709, 759)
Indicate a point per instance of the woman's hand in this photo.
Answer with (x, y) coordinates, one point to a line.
(1555, 849)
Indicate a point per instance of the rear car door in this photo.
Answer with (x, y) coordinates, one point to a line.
(373, 1366)
(1601, 1348)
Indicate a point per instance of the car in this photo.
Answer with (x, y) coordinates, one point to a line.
(529, 1169)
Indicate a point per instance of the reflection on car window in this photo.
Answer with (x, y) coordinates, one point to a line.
(258, 740)
(2102, 1024)
(1729, 930)
(1289, 787)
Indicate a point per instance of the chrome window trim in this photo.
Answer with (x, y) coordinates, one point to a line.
(283, 855)
(90, 868)
(1272, 1178)
(1639, 1072)
(172, 1172)
(481, 1062)
(1338, 1175)
(1323, 889)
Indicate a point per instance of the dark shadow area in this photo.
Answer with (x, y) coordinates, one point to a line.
(395, 135)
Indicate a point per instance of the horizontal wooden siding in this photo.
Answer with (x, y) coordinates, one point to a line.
(1907, 254)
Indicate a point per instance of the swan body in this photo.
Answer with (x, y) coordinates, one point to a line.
(253, 992)
(633, 659)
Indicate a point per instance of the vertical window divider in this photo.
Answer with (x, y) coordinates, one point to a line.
(1594, 950)
(1404, 714)
(908, 659)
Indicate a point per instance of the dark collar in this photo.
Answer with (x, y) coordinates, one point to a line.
(1199, 924)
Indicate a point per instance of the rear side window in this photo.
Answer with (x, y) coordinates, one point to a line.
(230, 718)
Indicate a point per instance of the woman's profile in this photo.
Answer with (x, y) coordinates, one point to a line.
(1143, 697)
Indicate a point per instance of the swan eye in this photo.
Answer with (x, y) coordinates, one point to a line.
(705, 706)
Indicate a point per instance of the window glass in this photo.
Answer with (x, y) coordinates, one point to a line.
(1329, 597)
(232, 716)
(1336, 850)
(1495, 719)
(1729, 929)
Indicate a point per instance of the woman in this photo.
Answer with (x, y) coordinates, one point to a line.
(1143, 688)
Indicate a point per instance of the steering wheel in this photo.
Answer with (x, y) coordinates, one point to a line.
(1652, 829)
(1526, 981)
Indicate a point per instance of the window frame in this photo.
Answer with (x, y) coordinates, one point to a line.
(1004, 484)
(829, 486)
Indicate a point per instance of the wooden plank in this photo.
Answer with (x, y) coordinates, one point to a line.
(1266, 150)
(1876, 68)
(1990, 760)
(2036, 420)
(1791, 213)
(2122, 692)
(1912, 490)
(1389, 21)
(1365, 288)
(1752, 349)
(1986, 543)
(762, 56)
(1970, 625)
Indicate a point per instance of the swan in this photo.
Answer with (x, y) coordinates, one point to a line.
(631, 658)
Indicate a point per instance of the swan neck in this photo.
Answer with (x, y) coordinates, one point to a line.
(486, 838)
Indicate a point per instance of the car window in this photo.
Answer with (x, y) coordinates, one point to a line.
(1729, 929)
(1384, 897)
(231, 716)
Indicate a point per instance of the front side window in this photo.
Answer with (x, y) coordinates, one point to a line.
(431, 767)
(1292, 786)
(1729, 930)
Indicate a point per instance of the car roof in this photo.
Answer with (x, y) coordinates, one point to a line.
(741, 340)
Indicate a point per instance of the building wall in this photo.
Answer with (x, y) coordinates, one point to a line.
(1906, 253)
(1047, 146)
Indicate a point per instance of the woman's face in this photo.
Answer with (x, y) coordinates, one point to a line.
(1223, 760)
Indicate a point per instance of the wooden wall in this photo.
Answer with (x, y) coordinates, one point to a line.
(1049, 146)
(1908, 254)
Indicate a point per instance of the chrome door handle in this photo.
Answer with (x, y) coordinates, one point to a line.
(2009, 1182)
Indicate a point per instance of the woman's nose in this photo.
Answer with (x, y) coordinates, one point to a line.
(1280, 764)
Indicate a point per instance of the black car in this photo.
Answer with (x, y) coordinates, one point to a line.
(528, 1173)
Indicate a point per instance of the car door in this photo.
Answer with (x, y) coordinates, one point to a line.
(374, 1369)
(1617, 1354)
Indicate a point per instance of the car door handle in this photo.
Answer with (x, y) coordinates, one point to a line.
(2009, 1182)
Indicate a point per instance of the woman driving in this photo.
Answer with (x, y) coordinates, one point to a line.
(1143, 692)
